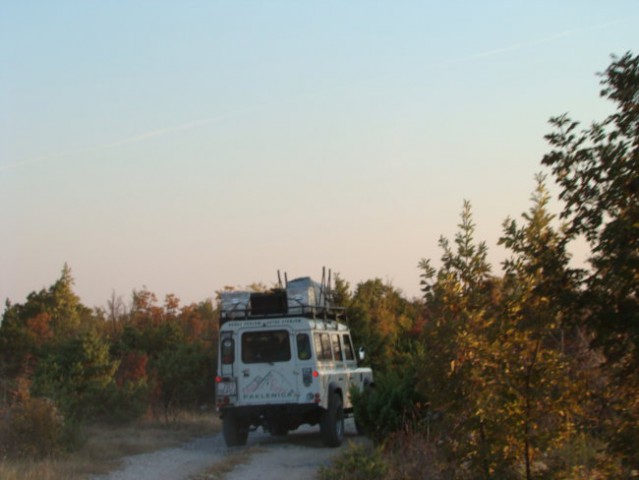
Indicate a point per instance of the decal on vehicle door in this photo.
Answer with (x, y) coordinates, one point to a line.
(272, 385)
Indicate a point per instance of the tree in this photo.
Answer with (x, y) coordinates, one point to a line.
(458, 336)
(495, 364)
(116, 311)
(144, 309)
(596, 169)
(46, 317)
(77, 374)
(379, 318)
(184, 376)
(539, 390)
(597, 172)
(341, 292)
(167, 350)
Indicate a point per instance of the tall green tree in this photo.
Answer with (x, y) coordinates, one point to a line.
(597, 171)
(495, 363)
(380, 317)
(47, 316)
(539, 391)
(457, 338)
(341, 292)
(77, 374)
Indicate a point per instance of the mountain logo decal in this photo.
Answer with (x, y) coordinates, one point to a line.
(273, 385)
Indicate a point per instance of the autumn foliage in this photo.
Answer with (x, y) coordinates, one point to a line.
(62, 363)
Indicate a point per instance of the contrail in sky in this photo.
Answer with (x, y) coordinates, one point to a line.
(197, 123)
(163, 131)
(126, 141)
(539, 41)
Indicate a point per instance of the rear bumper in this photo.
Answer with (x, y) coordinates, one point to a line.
(291, 415)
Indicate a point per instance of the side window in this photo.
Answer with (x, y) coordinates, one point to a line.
(318, 346)
(228, 350)
(348, 347)
(323, 346)
(326, 346)
(337, 349)
(303, 346)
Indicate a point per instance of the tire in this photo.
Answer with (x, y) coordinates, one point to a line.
(234, 430)
(332, 422)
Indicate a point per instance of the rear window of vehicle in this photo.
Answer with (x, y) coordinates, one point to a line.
(337, 349)
(266, 347)
(228, 350)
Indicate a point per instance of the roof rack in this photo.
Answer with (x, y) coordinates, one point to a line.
(300, 297)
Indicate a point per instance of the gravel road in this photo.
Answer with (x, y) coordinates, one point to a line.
(297, 456)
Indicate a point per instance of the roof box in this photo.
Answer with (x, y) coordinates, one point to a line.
(235, 304)
(303, 293)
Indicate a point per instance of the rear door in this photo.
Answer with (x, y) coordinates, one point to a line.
(266, 367)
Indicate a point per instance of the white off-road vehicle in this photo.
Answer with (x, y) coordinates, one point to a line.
(285, 360)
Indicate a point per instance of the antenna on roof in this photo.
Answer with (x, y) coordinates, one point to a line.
(279, 279)
(322, 287)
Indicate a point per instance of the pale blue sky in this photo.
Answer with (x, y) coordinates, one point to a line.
(189, 145)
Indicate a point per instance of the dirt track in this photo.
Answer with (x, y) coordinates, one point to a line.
(296, 456)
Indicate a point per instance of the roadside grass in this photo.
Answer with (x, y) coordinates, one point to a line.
(221, 468)
(404, 455)
(104, 446)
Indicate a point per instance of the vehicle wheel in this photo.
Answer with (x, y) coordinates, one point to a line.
(234, 430)
(332, 422)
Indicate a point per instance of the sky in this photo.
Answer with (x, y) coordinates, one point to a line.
(182, 146)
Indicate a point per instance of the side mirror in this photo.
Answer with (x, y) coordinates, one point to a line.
(361, 354)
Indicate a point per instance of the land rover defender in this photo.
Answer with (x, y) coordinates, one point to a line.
(285, 359)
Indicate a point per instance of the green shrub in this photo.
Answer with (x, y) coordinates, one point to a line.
(123, 403)
(390, 406)
(76, 374)
(183, 378)
(357, 463)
